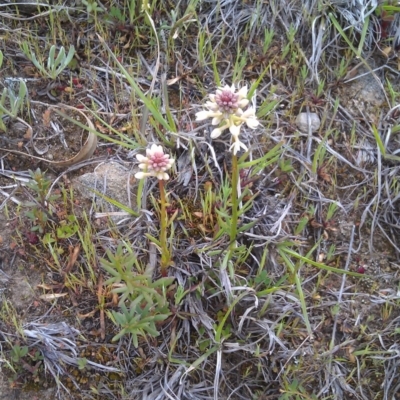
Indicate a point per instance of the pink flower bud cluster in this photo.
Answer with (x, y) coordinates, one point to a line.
(227, 100)
(155, 163)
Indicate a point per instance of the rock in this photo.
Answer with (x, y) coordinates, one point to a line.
(363, 96)
(19, 128)
(303, 119)
(366, 153)
(111, 179)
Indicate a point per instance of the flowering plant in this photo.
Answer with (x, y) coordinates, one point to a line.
(226, 108)
(155, 163)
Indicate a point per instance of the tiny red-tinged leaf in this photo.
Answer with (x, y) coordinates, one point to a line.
(32, 238)
(361, 270)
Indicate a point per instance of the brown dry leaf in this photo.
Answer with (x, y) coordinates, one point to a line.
(127, 127)
(386, 51)
(173, 80)
(350, 355)
(102, 325)
(123, 39)
(52, 296)
(88, 315)
(46, 118)
(323, 174)
(315, 224)
(112, 119)
(73, 256)
(316, 296)
(73, 298)
(102, 128)
(127, 45)
(50, 287)
(28, 133)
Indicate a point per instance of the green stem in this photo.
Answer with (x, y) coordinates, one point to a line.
(235, 205)
(165, 259)
(139, 194)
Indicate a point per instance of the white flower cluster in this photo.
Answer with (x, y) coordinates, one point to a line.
(226, 108)
(155, 164)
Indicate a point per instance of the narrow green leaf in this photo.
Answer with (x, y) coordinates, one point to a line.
(50, 59)
(379, 141)
(153, 239)
(319, 265)
(115, 203)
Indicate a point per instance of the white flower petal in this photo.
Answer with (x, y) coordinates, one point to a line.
(202, 115)
(249, 116)
(243, 103)
(162, 176)
(242, 92)
(250, 112)
(212, 106)
(141, 158)
(140, 175)
(212, 98)
(237, 145)
(252, 122)
(216, 133)
(235, 130)
(157, 149)
(150, 151)
(217, 120)
(239, 112)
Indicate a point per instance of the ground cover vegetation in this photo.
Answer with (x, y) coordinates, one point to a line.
(258, 255)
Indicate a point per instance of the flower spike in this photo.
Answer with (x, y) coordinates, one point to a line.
(155, 163)
(226, 108)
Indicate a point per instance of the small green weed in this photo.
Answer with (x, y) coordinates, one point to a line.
(18, 352)
(55, 65)
(143, 302)
(39, 213)
(12, 104)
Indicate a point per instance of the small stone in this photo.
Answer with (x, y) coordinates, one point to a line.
(18, 128)
(302, 122)
(111, 179)
(366, 153)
